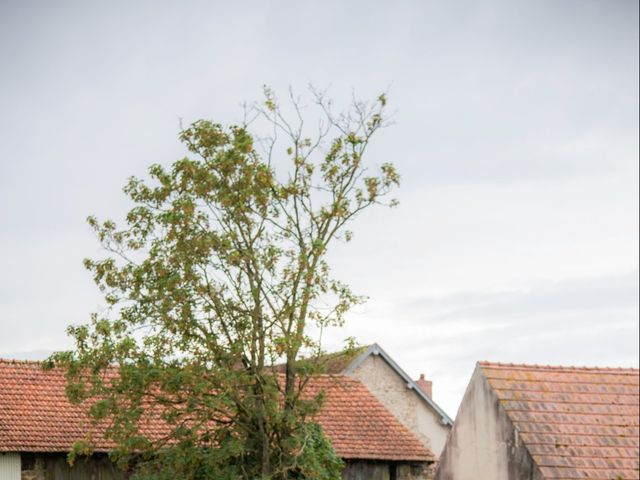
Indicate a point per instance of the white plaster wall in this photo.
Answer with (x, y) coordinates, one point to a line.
(403, 402)
(10, 466)
(483, 444)
(430, 426)
(477, 449)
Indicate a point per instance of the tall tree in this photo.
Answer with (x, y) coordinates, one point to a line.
(220, 274)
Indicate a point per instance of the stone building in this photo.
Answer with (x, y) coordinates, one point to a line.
(410, 401)
(524, 422)
(38, 426)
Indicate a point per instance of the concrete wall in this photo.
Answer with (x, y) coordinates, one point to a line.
(403, 402)
(483, 444)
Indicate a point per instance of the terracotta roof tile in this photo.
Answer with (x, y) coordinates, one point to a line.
(35, 416)
(359, 426)
(334, 363)
(577, 422)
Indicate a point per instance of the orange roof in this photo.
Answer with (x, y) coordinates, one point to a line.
(35, 416)
(575, 422)
(359, 426)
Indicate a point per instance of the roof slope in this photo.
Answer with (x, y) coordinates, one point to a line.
(337, 362)
(35, 416)
(575, 422)
(333, 363)
(344, 362)
(359, 426)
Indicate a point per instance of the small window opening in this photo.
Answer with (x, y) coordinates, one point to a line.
(28, 461)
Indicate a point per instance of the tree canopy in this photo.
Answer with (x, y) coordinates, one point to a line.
(220, 273)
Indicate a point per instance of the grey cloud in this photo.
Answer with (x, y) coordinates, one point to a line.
(582, 321)
(28, 355)
(596, 294)
(516, 133)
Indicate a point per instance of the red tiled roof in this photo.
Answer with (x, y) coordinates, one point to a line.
(575, 422)
(35, 416)
(334, 363)
(359, 426)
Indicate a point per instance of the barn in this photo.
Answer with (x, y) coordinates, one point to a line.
(531, 422)
(411, 401)
(38, 426)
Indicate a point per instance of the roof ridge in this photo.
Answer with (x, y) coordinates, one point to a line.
(11, 361)
(563, 368)
(16, 361)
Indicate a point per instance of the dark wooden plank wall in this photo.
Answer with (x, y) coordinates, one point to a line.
(367, 471)
(54, 466)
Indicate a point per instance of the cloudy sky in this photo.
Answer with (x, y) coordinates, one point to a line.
(516, 133)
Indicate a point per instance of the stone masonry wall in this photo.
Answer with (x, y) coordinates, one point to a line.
(404, 403)
(415, 472)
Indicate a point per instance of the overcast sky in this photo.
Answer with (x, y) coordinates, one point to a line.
(516, 133)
